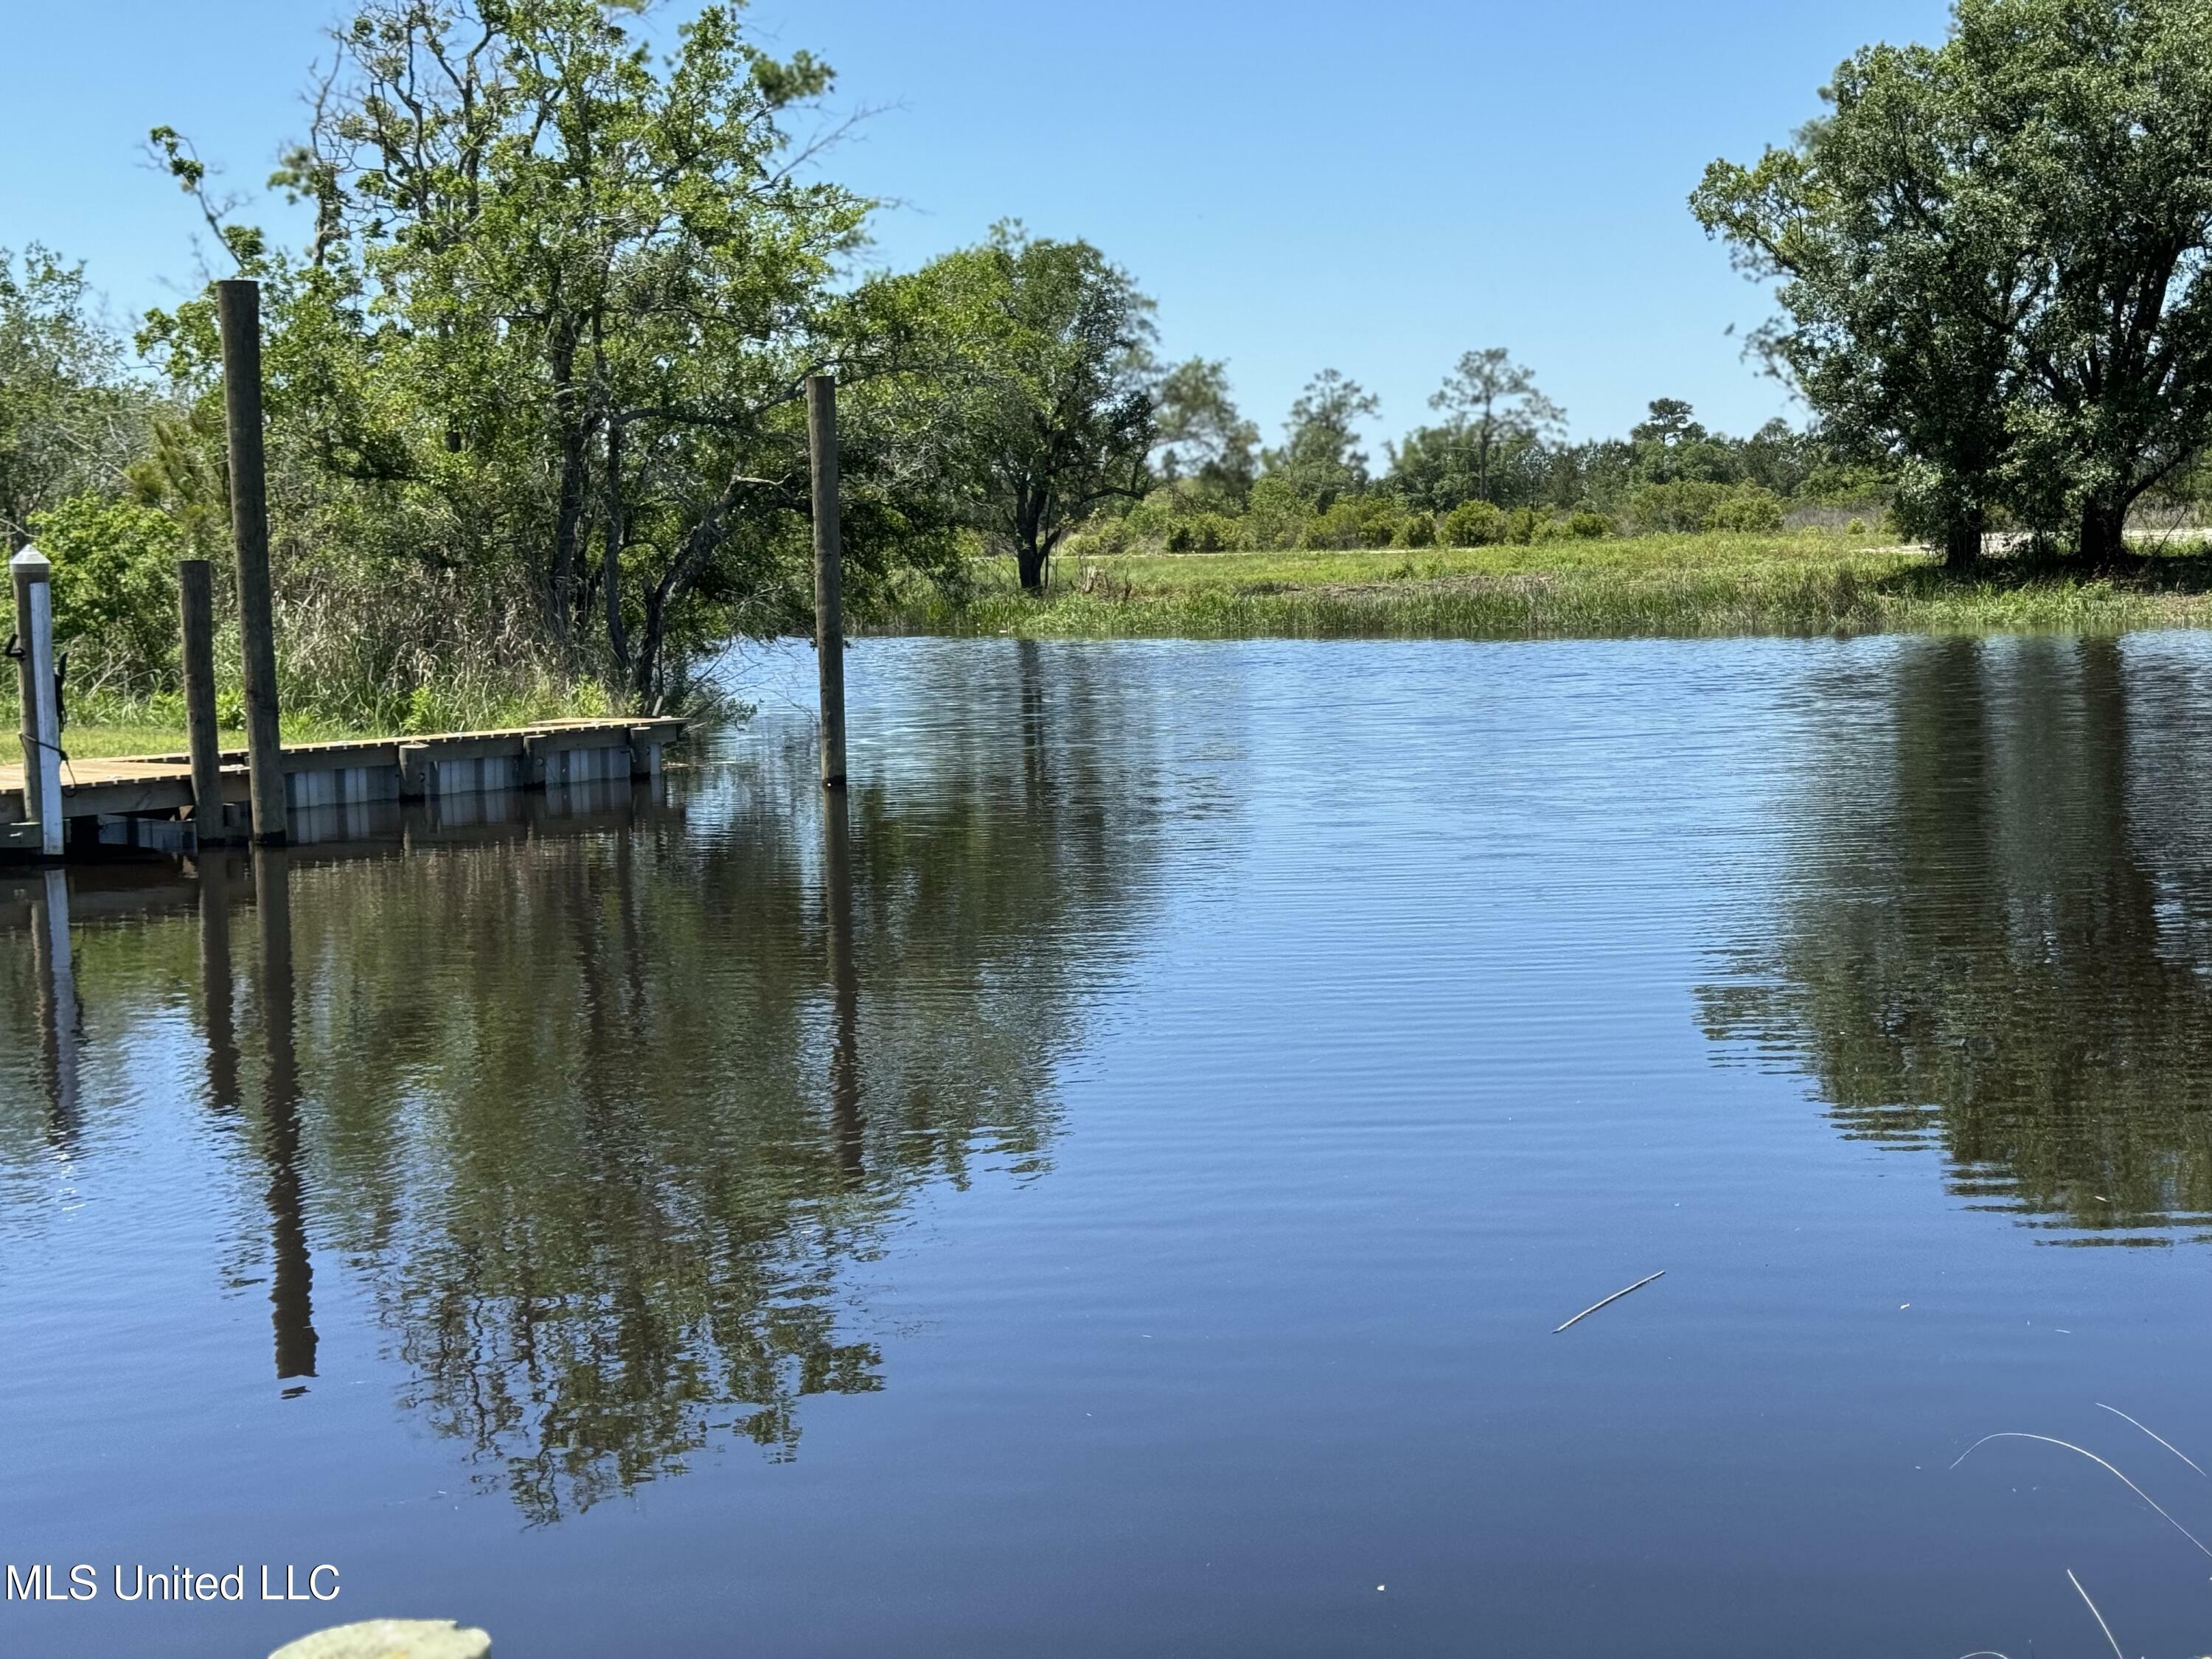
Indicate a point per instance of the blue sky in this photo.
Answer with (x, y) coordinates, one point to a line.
(1376, 187)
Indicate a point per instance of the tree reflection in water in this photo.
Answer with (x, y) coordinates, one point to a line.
(1994, 930)
(600, 1117)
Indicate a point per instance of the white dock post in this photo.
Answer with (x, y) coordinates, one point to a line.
(41, 728)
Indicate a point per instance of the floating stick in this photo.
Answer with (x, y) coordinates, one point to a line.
(2094, 1613)
(1615, 1297)
(2155, 1435)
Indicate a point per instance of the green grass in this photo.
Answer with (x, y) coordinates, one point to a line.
(92, 737)
(1804, 582)
(102, 729)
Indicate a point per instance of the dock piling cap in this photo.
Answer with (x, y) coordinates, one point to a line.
(32, 562)
(391, 1638)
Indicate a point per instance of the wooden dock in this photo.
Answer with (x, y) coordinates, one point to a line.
(144, 800)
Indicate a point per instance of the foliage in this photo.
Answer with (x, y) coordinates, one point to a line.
(70, 417)
(1750, 509)
(1048, 349)
(1276, 515)
(1201, 438)
(1415, 530)
(1490, 400)
(1996, 260)
(1474, 523)
(546, 351)
(1683, 505)
(1207, 532)
(1354, 521)
(1807, 582)
(1321, 457)
(1592, 526)
(114, 589)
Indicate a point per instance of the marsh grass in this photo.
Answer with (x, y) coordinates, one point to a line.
(1794, 583)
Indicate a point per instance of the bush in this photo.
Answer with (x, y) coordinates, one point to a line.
(115, 588)
(1750, 509)
(1684, 505)
(1521, 526)
(1416, 530)
(1473, 523)
(1275, 515)
(1208, 533)
(1100, 534)
(1354, 521)
(1589, 527)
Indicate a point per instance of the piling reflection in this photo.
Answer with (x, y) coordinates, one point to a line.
(844, 982)
(1991, 934)
(292, 1280)
(600, 1101)
(61, 1028)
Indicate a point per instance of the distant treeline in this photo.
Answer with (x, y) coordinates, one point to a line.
(1492, 469)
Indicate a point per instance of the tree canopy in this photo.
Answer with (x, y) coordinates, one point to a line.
(1993, 257)
(1044, 348)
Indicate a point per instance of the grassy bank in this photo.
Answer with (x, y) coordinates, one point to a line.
(1802, 582)
(102, 727)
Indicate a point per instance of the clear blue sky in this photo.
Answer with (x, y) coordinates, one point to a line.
(1375, 187)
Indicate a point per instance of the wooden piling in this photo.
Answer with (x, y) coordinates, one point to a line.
(40, 727)
(829, 575)
(238, 307)
(196, 615)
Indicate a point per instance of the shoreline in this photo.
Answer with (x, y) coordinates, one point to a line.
(1794, 585)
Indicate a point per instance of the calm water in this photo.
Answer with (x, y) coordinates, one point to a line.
(1112, 1194)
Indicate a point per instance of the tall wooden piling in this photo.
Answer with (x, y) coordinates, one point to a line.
(196, 614)
(238, 307)
(40, 727)
(829, 575)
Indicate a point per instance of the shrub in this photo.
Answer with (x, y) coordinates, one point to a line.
(1473, 523)
(1354, 521)
(1101, 533)
(1750, 509)
(1521, 526)
(115, 587)
(1275, 516)
(1685, 505)
(1589, 527)
(1416, 530)
(1207, 532)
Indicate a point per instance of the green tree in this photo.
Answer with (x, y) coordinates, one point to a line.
(1996, 259)
(1670, 446)
(71, 417)
(115, 589)
(1203, 439)
(553, 327)
(1045, 350)
(1321, 457)
(1493, 400)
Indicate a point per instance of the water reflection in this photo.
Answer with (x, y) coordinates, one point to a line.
(291, 1295)
(1990, 933)
(593, 1110)
(61, 1017)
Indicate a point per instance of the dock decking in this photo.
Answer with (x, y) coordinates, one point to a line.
(117, 793)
